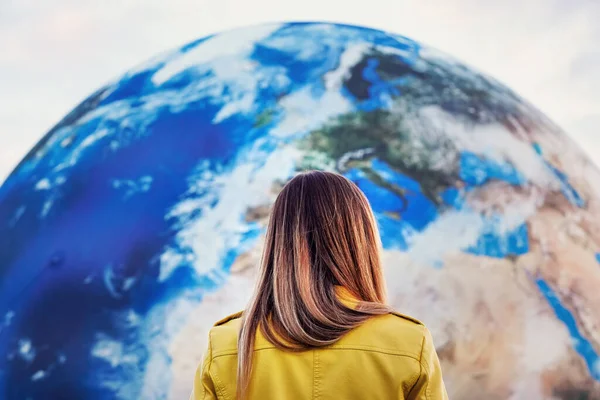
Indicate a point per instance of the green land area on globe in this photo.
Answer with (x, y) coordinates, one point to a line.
(138, 221)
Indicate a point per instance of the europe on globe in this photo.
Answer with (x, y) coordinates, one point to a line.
(137, 221)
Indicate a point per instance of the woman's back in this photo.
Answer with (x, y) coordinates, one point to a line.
(318, 325)
(387, 357)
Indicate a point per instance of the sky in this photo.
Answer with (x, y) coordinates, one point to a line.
(55, 53)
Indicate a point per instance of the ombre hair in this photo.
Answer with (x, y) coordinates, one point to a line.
(321, 234)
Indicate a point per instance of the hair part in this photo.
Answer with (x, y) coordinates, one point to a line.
(321, 234)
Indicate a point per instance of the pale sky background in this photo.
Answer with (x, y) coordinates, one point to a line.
(53, 54)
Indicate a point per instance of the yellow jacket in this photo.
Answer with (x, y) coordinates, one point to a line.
(387, 357)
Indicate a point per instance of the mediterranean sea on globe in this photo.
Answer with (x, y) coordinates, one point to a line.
(138, 220)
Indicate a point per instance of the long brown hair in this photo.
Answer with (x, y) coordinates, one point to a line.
(321, 234)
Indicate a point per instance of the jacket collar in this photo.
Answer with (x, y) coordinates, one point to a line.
(345, 297)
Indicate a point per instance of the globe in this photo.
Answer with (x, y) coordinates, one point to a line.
(137, 221)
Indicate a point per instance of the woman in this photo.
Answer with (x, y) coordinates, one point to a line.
(318, 326)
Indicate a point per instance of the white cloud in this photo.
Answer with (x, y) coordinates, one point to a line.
(225, 44)
(459, 229)
(303, 112)
(54, 55)
(219, 229)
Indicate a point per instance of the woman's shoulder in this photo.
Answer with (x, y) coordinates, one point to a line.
(403, 317)
(229, 318)
(223, 336)
(407, 318)
(393, 333)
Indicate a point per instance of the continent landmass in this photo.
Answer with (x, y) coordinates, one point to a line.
(385, 133)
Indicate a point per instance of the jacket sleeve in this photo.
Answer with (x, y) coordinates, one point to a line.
(204, 388)
(429, 385)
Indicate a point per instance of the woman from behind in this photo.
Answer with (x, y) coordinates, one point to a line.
(318, 326)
